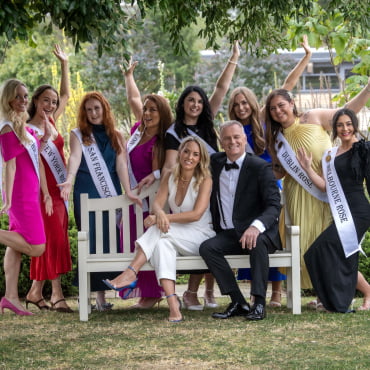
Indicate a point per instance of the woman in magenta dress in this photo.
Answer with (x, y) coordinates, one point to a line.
(57, 257)
(19, 149)
(146, 157)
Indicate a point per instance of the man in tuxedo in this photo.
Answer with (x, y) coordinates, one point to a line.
(245, 207)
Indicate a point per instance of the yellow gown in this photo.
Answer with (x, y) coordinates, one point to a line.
(312, 215)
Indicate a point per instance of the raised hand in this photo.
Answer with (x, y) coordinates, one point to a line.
(129, 68)
(60, 54)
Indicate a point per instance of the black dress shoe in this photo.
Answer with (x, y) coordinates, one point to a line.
(234, 309)
(257, 312)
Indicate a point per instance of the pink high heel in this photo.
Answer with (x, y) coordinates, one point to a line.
(4, 303)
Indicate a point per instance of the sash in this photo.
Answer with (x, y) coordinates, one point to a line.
(339, 206)
(291, 165)
(97, 167)
(172, 131)
(31, 148)
(131, 144)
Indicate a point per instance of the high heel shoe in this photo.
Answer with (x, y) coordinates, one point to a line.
(188, 305)
(130, 286)
(102, 306)
(275, 303)
(4, 303)
(180, 306)
(37, 304)
(209, 301)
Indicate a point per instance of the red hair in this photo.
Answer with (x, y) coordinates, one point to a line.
(108, 121)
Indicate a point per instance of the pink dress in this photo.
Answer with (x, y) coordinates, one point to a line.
(25, 212)
(141, 162)
(57, 257)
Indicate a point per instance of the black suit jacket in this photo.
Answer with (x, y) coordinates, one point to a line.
(257, 196)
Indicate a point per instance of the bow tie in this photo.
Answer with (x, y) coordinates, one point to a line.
(229, 166)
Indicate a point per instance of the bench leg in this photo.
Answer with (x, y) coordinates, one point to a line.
(84, 295)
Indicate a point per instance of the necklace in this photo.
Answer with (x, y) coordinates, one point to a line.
(184, 183)
(184, 179)
(148, 135)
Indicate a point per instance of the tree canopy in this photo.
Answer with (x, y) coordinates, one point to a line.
(259, 25)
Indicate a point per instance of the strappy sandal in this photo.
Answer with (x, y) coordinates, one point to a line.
(275, 303)
(60, 309)
(37, 304)
(178, 300)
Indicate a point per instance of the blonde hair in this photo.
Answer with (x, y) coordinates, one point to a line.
(8, 92)
(255, 118)
(201, 171)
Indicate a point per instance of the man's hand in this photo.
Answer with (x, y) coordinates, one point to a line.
(249, 237)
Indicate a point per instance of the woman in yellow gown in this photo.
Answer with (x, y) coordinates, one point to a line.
(311, 132)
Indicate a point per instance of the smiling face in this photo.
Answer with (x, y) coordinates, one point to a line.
(345, 129)
(46, 103)
(19, 103)
(94, 111)
(233, 141)
(193, 107)
(189, 157)
(281, 111)
(151, 116)
(241, 108)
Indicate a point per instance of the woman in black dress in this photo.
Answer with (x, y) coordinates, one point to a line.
(332, 260)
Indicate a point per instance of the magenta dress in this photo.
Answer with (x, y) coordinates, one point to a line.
(25, 212)
(141, 162)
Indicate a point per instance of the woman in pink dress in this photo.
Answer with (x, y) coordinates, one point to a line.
(57, 257)
(19, 149)
(146, 157)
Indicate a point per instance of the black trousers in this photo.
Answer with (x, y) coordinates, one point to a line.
(214, 250)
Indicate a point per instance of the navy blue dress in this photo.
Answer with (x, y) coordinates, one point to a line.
(85, 184)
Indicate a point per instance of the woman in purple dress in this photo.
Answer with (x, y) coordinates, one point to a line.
(146, 156)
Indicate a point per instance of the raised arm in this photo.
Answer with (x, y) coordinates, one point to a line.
(64, 92)
(325, 116)
(132, 91)
(293, 77)
(223, 82)
(360, 100)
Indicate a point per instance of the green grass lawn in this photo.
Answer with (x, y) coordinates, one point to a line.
(139, 339)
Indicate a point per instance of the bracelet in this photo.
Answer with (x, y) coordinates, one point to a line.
(232, 62)
(157, 174)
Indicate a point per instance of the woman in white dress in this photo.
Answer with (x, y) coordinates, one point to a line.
(187, 189)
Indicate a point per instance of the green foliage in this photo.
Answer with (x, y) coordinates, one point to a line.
(99, 21)
(364, 262)
(342, 26)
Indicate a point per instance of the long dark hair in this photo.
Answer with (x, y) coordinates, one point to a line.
(205, 119)
(348, 112)
(165, 122)
(273, 127)
(32, 106)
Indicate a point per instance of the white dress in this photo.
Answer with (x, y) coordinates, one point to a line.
(182, 239)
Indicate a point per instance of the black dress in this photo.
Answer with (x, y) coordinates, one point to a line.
(333, 276)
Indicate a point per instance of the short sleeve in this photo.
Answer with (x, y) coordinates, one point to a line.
(10, 146)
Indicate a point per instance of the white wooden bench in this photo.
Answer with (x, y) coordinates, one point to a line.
(118, 261)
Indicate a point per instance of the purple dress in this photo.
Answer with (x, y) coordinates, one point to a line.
(141, 162)
(25, 212)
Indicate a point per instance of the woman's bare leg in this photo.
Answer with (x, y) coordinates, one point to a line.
(18, 243)
(173, 302)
